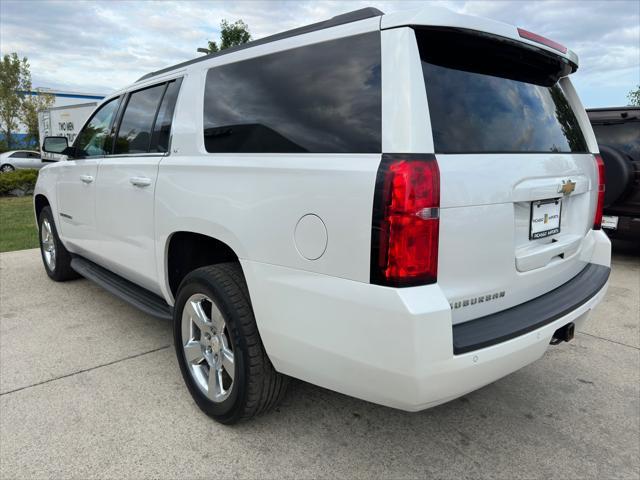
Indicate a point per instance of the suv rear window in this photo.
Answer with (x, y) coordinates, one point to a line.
(320, 98)
(488, 94)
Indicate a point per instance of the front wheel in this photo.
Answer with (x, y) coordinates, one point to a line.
(56, 258)
(221, 356)
(6, 168)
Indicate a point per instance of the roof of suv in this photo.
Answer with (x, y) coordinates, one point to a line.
(434, 16)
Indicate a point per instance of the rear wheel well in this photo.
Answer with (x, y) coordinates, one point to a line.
(188, 251)
(40, 202)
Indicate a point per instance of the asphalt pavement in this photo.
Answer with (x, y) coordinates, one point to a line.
(90, 388)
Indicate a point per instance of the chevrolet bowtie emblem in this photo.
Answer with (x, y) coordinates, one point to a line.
(567, 187)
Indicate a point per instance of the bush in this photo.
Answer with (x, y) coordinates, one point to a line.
(22, 180)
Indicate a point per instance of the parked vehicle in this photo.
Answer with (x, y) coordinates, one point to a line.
(617, 131)
(17, 159)
(402, 208)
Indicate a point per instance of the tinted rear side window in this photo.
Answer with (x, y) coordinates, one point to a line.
(322, 98)
(490, 95)
(162, 128)
(134, 134)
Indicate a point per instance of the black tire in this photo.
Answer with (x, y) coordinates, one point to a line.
(61, 270)
(6, 168)
(256, 387)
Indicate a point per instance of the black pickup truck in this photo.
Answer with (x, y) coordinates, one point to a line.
(618, 133)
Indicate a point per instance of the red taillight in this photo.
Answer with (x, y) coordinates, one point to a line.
(597, 221)
(404, 248)
(534, 37)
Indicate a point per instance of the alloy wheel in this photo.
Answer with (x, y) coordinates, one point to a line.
(207, 347)
(48, 244)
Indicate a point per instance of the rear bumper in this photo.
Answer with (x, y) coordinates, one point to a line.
(390, 346)
(514, 322)
(467, 372)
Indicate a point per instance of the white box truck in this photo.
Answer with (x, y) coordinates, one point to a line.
(64, 121)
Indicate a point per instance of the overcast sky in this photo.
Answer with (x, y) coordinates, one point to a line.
(104, 45)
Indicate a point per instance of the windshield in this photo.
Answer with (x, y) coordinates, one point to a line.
(487, 95)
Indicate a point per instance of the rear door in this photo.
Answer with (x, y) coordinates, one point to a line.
(126, 183)
(517, 179)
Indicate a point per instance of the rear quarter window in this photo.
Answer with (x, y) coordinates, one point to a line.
(320, 98)
(490, 95)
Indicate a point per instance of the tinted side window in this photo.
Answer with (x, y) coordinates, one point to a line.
(94, 139)
(134, 133)
(162, 128)
(322, 98)
(18, 155)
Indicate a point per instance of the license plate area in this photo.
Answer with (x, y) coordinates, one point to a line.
(545, 218)
(610, 222)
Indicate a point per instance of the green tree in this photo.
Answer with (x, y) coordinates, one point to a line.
(31, 105)
(634, 96)
(15, 79)
(231, 34)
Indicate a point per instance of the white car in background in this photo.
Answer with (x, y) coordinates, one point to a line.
(20, 159)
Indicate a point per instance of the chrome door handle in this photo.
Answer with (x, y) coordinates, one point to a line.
(86, 178)
(140, 181)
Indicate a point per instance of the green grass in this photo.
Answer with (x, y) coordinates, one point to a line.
(17, 224)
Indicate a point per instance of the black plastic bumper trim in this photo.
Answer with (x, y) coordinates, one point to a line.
(131, 293)
(513, 322)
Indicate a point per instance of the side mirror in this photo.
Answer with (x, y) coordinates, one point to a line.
(55, 145)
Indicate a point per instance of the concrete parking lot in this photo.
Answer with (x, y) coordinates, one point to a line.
(89, 388)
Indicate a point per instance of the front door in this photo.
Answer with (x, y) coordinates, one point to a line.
(33, 160)
(76, 188)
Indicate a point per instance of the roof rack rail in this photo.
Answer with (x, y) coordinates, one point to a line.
(361, 14)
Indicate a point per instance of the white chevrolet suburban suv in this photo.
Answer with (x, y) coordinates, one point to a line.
(402, 208)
